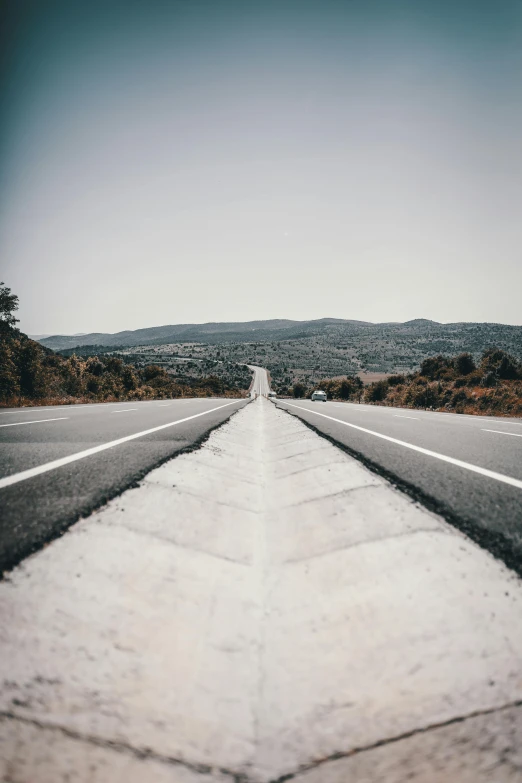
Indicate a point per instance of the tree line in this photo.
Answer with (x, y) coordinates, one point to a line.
(31, 374)
(493, 385)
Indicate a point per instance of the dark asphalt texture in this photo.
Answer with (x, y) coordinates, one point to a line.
(38, 509)
(487, 510)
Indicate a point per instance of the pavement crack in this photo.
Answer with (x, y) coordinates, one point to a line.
(330, 495)
(369, 542)
(165, 540)
(339, 461)
(119, 746)
(392, 740)
(213, 501)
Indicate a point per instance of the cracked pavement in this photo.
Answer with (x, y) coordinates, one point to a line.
(260, 610)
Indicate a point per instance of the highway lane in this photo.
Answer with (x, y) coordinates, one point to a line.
(261, 384)
(61, 462)
(422, 452)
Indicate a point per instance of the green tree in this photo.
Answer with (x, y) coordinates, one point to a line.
(435, 367)
(464, 364)
(502, 364)
(299, 390)
(32, 374)
(8, 306)
(376, 392)
(9, 375)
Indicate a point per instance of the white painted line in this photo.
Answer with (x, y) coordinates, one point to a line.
(502, 432)
(36, 421)
(30, 410)
(452, 461)
(353, 410)
(124, 410)
(399, 416)
(59, 408)
(58, 463)
(509, 423)
(471, 417)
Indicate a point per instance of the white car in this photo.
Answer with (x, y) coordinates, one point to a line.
(272, 394)
(319, 395)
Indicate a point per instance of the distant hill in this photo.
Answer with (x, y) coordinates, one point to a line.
(206, 333)
(330, 346)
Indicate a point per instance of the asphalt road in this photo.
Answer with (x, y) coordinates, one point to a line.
(260, 384)
(61, 462)
(468, 468)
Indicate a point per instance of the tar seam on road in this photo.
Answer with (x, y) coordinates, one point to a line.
(58, 463)
(452, 460)
(394, 740)
(240, 777)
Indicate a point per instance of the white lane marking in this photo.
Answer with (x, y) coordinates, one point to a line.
(352, 410)
(68, 408)
(452, 416)
(36, 421)
(124, 410)
(58, 463)
(459, 463)
(470, 417)
(31, 410)
(509, 423)
(59, 408)
(399, 416)
(502, 432)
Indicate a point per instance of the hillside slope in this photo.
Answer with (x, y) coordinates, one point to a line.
(323, 347)
(274, 329)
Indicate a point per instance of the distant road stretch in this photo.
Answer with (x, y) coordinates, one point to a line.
(260, 384)
(469, 468)
(61, 462)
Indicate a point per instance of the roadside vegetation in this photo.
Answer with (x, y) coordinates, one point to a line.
(369, 352)
(491, 386)
(33, 375)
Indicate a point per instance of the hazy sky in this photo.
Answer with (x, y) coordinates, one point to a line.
(200, 160)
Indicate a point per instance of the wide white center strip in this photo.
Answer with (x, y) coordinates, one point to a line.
(36, 421)
(58, 463)
(261, 606)
(451, 460)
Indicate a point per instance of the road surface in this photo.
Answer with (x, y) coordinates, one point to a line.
(468, 468)
(262, 609)
(60, 462)
(261, 385)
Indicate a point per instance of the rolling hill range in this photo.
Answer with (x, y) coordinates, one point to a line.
(308, 350)
(276, 329)
(377, 347)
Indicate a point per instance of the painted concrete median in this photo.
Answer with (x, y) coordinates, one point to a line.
(262, 609)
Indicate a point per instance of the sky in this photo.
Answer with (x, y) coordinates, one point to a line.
(187, 161)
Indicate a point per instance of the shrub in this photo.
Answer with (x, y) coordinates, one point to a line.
(376, 392)
(502, 364)
(435, 367)
(396, 380)
(464, 364)
(489, 379)
(299, 390)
